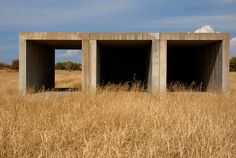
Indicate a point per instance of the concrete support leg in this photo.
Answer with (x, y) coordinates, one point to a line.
(22, 66)
(93, 64)
(225, 65)
(163, 65)
(153, 75)
(85, 65)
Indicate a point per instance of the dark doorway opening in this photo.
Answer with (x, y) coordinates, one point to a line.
(191, 63)
(120, 62)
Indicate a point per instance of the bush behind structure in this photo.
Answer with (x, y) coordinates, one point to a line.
(68, 65)
(233, 64)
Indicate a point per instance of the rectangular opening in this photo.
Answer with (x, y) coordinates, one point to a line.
(193, 64)
(68, 68)
(123, 61)
(41, 58)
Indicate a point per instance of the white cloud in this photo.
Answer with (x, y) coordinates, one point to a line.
(205, 29)
(233, 47)
(70, 54)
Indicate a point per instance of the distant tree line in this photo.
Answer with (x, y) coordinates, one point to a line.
(3, 65)
(233, 64)
(68, 65)
(14, 65)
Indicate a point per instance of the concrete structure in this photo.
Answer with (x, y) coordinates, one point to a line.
(155, 59)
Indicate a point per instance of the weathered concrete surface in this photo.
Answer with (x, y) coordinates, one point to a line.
(39, 66)
(163, 65)
(93, 64)
(217, 55)
(36, 54)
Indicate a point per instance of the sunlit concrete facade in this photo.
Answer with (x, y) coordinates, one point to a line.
(155, 59)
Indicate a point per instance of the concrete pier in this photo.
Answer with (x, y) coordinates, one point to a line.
(155, 59)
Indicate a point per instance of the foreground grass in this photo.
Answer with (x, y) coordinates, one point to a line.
(115, 124)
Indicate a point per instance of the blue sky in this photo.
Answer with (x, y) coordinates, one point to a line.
(110, 16)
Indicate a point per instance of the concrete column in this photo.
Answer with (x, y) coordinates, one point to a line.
(225, 65)
(218, 66)
(93, 64)
(153, 75)
(22, 66)
(40, 65)
(85, 65)
(163, 65)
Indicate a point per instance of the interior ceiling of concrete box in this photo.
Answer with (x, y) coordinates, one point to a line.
(124, 43)
(190, 43)
(77, 44)
(59, 44)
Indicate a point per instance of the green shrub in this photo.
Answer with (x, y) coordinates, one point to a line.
(68, 65)
(233, 64)
(3, 65)
(15, 64)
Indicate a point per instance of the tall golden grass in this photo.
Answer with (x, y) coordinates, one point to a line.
(115, 124)
(68, 79)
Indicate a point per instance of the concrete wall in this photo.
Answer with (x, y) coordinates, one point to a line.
(40, 65)
(212, 69)
(93, 64)
(85, 65)
(36, 59)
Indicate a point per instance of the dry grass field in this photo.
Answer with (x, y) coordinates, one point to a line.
(115, 124)
(68, 79)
